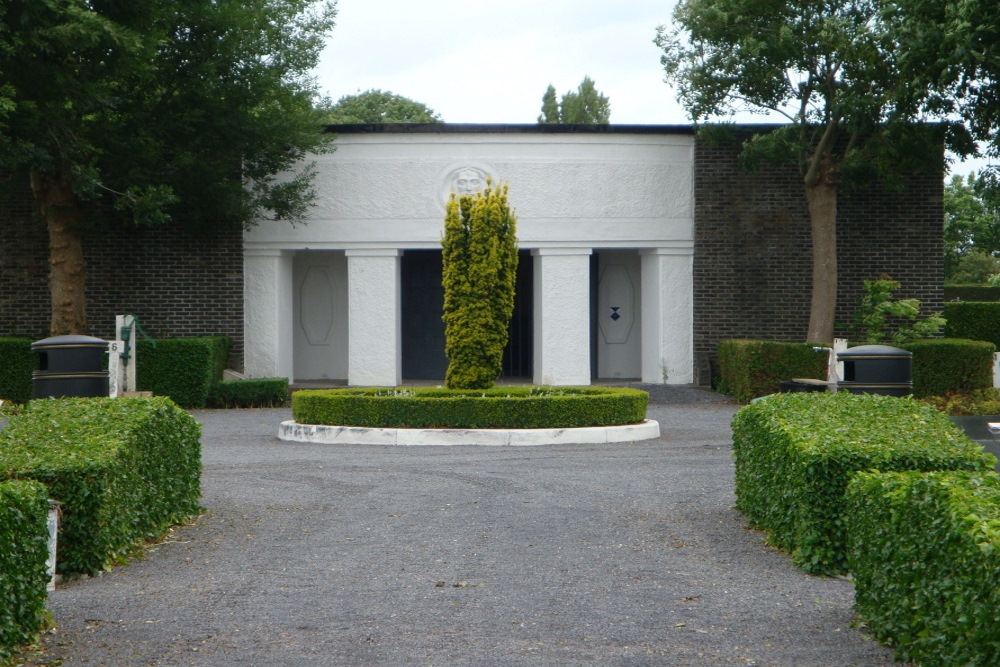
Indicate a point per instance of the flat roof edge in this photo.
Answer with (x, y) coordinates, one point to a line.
(503, 128)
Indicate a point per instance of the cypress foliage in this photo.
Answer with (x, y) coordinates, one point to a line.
(479, 254)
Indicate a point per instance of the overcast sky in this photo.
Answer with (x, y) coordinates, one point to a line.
(490, 62)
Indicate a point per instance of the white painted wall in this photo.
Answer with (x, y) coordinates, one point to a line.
(572, 190)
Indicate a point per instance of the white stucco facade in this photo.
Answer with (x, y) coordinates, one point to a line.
(607, 218)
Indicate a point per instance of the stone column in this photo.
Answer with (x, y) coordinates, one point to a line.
(374, 340)
(268, 294)
(668, 314)
(562, 316)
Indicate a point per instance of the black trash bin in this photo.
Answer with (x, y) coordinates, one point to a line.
(877, 369)
(70, 366)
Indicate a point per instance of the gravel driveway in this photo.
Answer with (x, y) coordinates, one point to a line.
(345, 555)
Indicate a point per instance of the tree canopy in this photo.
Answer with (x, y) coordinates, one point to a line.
(831, 69)
(950, 47)
(971, 232)
(157, 112)
(584, 105)
(378, 106)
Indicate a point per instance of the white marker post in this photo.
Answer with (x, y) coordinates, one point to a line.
(121, 368)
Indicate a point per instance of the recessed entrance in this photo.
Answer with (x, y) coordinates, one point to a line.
(422, 302)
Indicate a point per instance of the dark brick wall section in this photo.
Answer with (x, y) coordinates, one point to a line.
(752, 264)
(177, 283)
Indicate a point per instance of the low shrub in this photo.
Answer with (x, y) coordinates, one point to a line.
(924, 550)
(17, 362)
(944, 365)
(499, 407)
(796, 452)
(185, 369)
(977, 402)
(124, 469)
(257, 393)
(974, 320)
(24, 550)
(752, 368)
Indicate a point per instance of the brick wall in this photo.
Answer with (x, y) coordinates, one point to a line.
(752, 265)
(176, 282)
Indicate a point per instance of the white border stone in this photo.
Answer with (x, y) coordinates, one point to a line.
(292, 431)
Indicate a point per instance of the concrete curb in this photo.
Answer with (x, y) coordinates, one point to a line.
(292, 431)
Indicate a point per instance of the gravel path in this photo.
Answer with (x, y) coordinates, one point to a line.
(345, 555)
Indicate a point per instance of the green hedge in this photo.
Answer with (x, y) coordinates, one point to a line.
(499, 407)
(124, 469)
(971, 293)
(258, 393)
(17, 362)
(24, 538)
(973, 320)
(796, 452)
(924, 550)
(188, 370)
(752, 368)
(949, 365)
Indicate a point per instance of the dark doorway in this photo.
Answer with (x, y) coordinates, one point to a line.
(518, 353)
(422, 303)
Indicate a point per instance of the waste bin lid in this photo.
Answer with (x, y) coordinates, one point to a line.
(874, 351)
(69, 341)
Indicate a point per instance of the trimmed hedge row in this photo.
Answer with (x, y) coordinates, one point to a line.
(947, 365)
(258, 393)
(188, 370)
(499, 407)
(124, 469)
(24, 537)
(752, 368)
(924, 550)
(974, 320)
(17, 362)
(796, 452)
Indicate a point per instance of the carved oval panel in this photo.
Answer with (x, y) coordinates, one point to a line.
(316, 305)
(616, 304)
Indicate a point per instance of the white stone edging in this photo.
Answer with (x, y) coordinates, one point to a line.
(292, 431)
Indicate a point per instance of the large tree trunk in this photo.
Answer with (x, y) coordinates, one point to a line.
(821, 195)
(67, 270)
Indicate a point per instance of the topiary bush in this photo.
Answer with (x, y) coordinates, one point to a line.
(257, 393)
(24, 550)
(795, 453)
(500, 407)
(185, 369)
(124, 469)
(752, 368)
(479, 268)
(17, 362)
(924, 551)
(973, 320)
(947, 365)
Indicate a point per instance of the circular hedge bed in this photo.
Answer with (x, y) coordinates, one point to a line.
(499, 407)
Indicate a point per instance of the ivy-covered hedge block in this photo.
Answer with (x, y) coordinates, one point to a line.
(795, 454)
(499, 407)
(924, 550)
(124, 469)
(752, 368)
(185, 369)
(974, 320)
(950, 365)
(256, 393)
(24, 538)
(17, 362)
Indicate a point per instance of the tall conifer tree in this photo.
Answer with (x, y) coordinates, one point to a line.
(479, 253)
